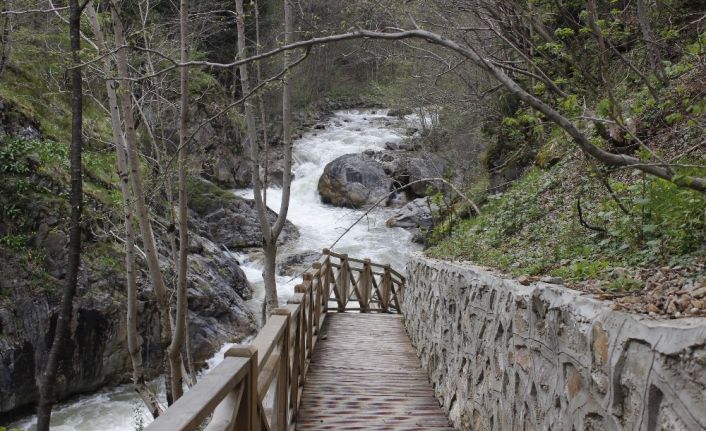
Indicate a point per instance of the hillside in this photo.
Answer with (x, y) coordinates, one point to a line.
(550, 212)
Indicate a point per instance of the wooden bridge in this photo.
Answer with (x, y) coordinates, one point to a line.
(315, 367)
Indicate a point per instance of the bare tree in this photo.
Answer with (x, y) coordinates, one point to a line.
(497, 73)
(47, 379)
(180, 326)
(133, 338)
(135, 175)
(270, 232)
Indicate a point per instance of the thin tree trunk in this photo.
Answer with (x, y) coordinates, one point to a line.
(603, 59)
(133, 160)
(270, 285)
(4, 37)
(261, 106)
(133, 340)
(61, 332)
(181, 307)
(653, 50)
(270, 243)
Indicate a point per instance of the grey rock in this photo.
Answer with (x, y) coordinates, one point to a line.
(401, 112)
(423, 166)
(409, 166)
(414, 215)
(354, 180)
(295, 264)
(234, 222)
(552, 280)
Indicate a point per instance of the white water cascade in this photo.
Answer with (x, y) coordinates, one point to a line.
(119, 409)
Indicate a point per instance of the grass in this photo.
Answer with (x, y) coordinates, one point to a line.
(533, 228)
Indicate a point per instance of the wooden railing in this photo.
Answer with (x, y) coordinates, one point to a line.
(258, 386)
(371, 287)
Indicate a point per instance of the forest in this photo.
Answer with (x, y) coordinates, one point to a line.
(150, 151)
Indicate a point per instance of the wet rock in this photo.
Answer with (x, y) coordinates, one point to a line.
(354, 180)
(401, 112)
(552, 280)
(415, 215)
(424, 166)
(409, 166)
(230, 220)
(295, 264)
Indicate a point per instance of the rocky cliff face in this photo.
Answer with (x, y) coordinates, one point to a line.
(505, 356)
(33, 239)
(97, 355)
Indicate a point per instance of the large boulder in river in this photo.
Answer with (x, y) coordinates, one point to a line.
(420, 166)
(354, 180)
(416, 214)
(409, 166)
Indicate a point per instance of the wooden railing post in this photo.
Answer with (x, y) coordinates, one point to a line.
(344, 283)
(280, 408)
(327, 279)
(386, 288)
(245, 413)
(365, 286)
(308, 282)
(298, 358)
(316, 289)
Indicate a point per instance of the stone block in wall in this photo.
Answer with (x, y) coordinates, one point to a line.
(504, 356)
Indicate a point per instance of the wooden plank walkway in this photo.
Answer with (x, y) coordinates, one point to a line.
(365, 375)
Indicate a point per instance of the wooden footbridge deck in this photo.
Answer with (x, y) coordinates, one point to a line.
(315, 367)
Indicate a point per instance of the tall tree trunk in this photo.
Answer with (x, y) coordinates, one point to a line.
(133, 161)
(653, 50)
(261, 106)
(270, 285)
(181, 307)
(133, 340)
(4, 37)
(61, 332)
(270, 244)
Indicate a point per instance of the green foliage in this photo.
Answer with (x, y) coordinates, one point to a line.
(14, 242)
(204, 195)
(564, 32)
(533, 228)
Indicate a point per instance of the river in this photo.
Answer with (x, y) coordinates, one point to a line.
(345, 132)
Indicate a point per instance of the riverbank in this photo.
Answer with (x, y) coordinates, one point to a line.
(318, 226)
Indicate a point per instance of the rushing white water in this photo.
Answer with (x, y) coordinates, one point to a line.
(320, 225)
(119, 409)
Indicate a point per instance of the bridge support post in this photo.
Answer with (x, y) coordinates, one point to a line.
(344, 283)
(328, 279)
(280, 407)
(317, 292)
(308, 285)
(242, 415)
(365, 286)
(386, 288)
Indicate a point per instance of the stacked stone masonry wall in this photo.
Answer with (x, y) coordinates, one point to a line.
(503, 356)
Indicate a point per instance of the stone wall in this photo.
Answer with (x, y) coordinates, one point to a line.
(503, 356)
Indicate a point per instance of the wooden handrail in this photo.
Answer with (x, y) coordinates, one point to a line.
(234, 394)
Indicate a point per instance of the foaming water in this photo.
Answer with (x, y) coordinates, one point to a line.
(321, 225)
(346, 132)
